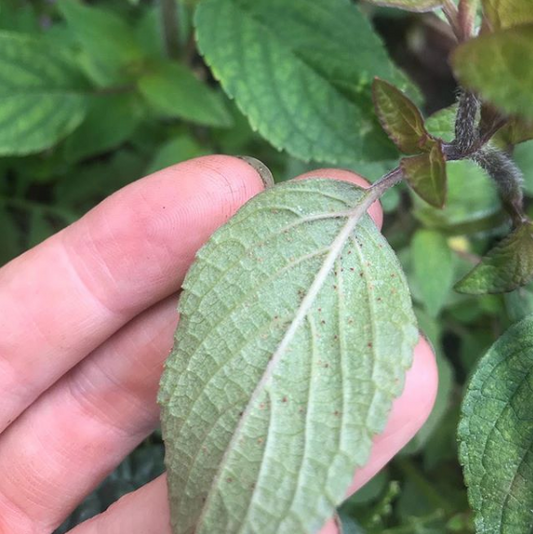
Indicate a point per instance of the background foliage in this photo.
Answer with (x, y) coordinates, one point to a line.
(96, 95)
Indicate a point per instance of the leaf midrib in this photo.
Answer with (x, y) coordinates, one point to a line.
(305, 306)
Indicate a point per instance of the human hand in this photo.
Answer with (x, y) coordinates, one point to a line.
(87, 320)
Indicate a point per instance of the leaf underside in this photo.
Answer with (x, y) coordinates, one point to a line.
(295, 333)
(496, 435)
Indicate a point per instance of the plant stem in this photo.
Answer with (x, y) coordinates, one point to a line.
(170, 24)
(450, 11)
(386, 182)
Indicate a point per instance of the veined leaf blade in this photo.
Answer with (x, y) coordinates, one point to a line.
(496, 434)
(286, 362)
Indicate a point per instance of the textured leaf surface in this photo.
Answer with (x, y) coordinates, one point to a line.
(296, 329)
(173, 90)
(41, 94)
(433, 267)
(426, 174)
(108, 41)
(496, 435)
(507, 266)
(507, 13)
(410, 5)
(496, 66)
(399, 117)
(301, 72)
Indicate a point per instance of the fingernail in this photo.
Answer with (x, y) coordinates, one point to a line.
(262, 170)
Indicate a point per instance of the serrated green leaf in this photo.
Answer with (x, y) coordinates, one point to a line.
(418, 6)
(112, 52)
(496, 66)
(301, 72)
(433, 268)
(426, 175)
(496, 435)
(286, 362)
(507, 266)
(174, 91)
(506, 13)
(400, 118)
(110, 120)
(42, 94)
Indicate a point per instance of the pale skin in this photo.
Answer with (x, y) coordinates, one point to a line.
(87, 320)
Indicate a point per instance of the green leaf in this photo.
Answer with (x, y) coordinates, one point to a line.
(400, 118)
(42, 94)
(507, 266)
(112, 52)
(111, 120)
(301, 72)
(433, 268)
(418, 6)
(468, 210)
(495, 65)
(426, 175)
(496, 435)
(174, 91)
(506, 13)
(286, 361)
(442, 123)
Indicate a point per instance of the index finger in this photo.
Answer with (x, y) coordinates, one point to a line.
(64, 298)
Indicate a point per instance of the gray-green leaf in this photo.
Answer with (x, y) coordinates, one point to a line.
(301, 72)
(496, 435)
(507, 266)
(295, 333)
(42, 94)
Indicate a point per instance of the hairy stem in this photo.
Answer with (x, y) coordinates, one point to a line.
(508, 177)
(466, 120)
(170, 25)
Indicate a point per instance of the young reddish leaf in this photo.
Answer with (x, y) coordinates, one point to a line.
(506, 267)
(400, 118)
(426, 174)
(506, 13)
(418, 6)
(496, 66)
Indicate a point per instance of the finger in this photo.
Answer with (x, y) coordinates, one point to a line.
(138, 511)
(69, 294)
(79, 430)
(409, 413)
(374, 211)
